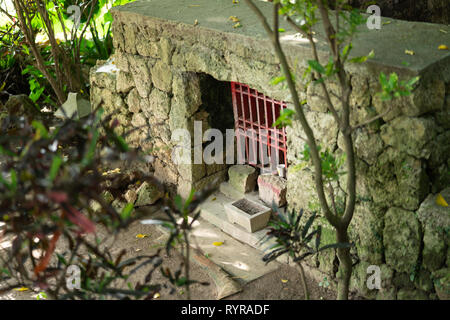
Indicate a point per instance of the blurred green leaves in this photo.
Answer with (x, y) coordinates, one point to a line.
(392, 87)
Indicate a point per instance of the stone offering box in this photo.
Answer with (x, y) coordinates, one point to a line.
(249, 214)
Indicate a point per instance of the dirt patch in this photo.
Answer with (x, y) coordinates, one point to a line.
(282, 284)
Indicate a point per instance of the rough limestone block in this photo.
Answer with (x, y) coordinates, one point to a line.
(402, 239)
(272, 189)
(147, 194)
(442, 283)
(434, 219)
(130, 196)
(243, 177)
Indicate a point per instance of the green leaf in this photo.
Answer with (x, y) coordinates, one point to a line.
(89, 155)
(5, 271)
(277, 80)
(120, 143)
(362, 59)
(189, 199)
(306, 72)
(181, 282)
(318, 236)
(108, 17)
(308, 224)
(126, 212)
(61, 259)
(383, 79)
(316, 66)
(13, 185)
(329, 68)
(346, 51)
(54, 168)
(285, 118)
(413, 81)
(41, 131)
(178, 203)
(393, 80)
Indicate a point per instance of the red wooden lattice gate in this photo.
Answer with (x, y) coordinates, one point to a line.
(254, 115)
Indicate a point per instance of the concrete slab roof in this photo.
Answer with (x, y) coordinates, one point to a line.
(389, 43)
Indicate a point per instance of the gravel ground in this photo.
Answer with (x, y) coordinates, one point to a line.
(282, 284)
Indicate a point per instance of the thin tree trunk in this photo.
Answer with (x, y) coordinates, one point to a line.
(303, 279)
(345, 265)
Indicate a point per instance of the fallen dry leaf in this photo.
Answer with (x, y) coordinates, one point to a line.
(442, 47)
(234, 18)
(441, 201)
(284, 280)
(21, 289)
(116, 170)
(217, 243)
(141, 236)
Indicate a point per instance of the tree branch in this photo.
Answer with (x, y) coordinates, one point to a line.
(299, 111)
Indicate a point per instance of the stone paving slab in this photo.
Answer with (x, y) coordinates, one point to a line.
(243, 262)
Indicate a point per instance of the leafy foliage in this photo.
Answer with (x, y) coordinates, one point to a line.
(294, 237)
(59, 52)
(393, 88)
(49, 179)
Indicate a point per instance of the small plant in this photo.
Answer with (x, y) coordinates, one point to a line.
(324, 283)
(41, 296)
(295, 239)
(393, 88)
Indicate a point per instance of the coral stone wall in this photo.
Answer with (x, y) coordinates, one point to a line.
(402, 159)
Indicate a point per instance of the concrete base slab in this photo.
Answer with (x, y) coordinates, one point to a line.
(241, 261)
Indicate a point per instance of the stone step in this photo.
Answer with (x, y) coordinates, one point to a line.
(230, 192)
